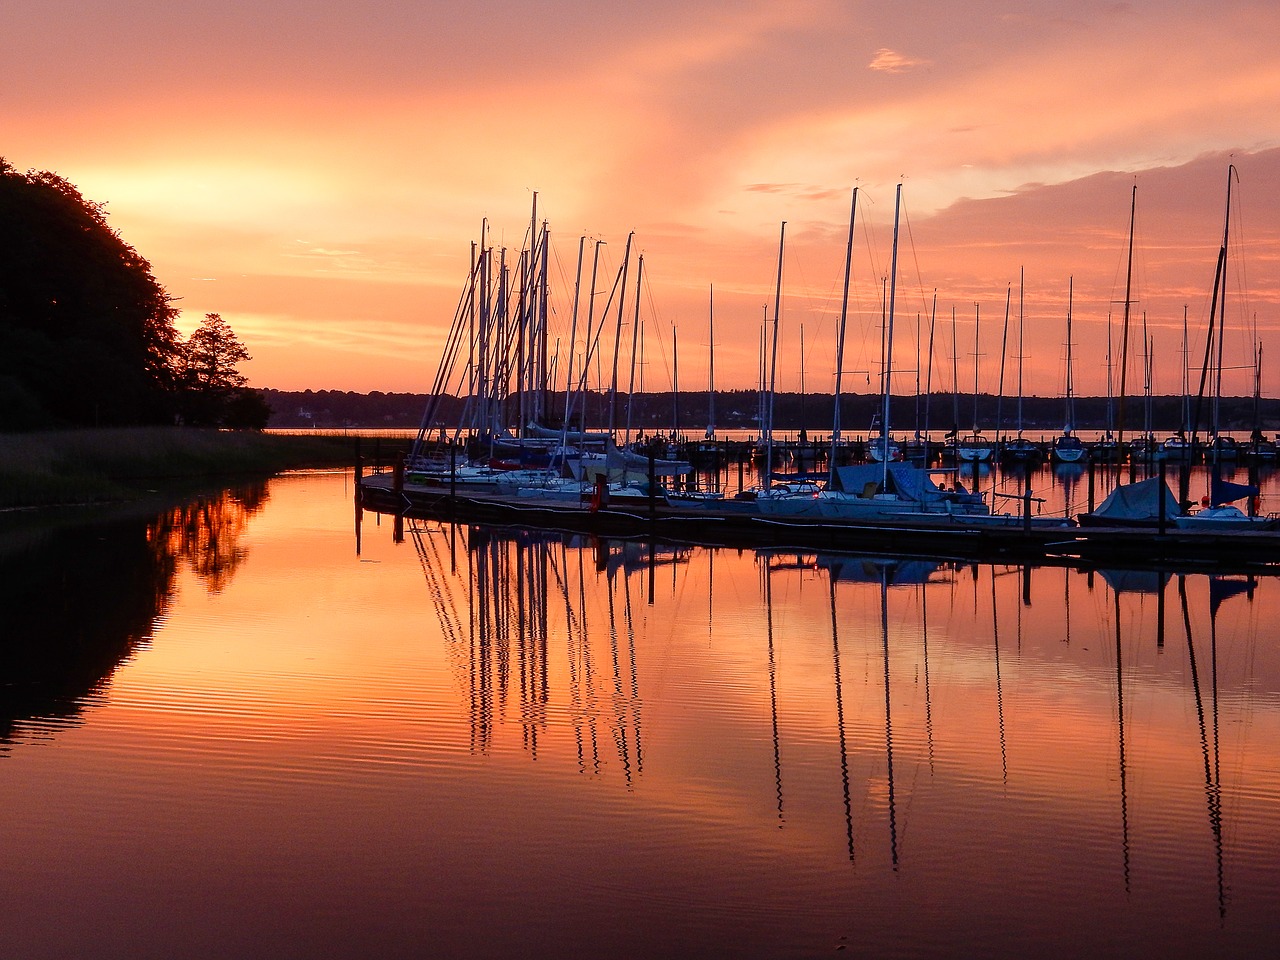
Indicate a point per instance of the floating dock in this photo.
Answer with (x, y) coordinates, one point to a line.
(997, 538)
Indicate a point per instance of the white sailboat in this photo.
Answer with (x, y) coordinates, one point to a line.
(974, 448)
(1068, 448)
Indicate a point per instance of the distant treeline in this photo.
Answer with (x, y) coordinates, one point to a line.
(739, 409)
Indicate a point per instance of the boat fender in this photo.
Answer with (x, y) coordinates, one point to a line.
(600, 494)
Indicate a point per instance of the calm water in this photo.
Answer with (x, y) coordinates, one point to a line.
(226, 731)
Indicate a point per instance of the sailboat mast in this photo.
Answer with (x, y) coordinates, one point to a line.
(1148, 347)
(976, 354)
(773, 361)
(711, 367)
(1004, 350)
(1219, 282)
(1186, 377)
(1222, 311)
(573, 337)
(1071, 400)
(1124, 330)
(844, 316)
(928, 378)
(1257, 391)
(802, 420)
(675, 384)
(544, 404)
(1022, 276)
(635, 346)
(617, 341)
(955, 378)
(888, 336)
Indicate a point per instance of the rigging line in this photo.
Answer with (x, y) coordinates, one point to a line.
(915, 258)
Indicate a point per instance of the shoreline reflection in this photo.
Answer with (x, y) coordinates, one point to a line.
(78, 602)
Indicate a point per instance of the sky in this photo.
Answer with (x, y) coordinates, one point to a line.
(316, 172)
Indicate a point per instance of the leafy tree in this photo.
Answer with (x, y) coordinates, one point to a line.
(86, 331)
(214, 388)
(211, 356)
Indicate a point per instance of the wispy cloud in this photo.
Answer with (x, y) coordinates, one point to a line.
(890, 61)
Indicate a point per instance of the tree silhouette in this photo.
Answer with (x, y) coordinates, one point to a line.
(86, 331)
(214, 391)
(212, 353)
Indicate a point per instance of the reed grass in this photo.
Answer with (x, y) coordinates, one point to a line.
(93, 466)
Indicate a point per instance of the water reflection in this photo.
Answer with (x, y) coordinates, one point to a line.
(77, 601)
(593, 748)
(1036, 663)
(507, 597)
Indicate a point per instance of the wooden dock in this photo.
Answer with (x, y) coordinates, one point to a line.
(993, 539)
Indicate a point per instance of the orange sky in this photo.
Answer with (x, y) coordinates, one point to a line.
(316, 173)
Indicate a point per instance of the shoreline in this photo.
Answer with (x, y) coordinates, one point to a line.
(85, 467)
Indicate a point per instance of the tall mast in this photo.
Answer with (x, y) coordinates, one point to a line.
(976, 354)
(1022, 276)
(675, 384)
(773, 363)
(955, 378)
(1124, 331)
(617, 341)
(888, 350)
(1219, 284)
(1071, 400)
(1222, 310)
(573, 336)
(928, 377)
(1186, 377)
(1004, 350)
(711, 367)
(544, 405)
(635, 345)
(802, 420)
(844, 316)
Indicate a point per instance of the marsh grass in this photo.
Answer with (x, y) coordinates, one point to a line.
(92, 466)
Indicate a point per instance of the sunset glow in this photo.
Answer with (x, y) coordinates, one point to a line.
(316, 173)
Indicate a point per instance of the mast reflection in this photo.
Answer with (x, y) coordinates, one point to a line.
(547, 634)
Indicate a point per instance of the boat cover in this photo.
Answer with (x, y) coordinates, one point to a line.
(1138, 501)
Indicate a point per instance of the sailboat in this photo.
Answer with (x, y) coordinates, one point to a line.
(1259, 451)
(1068, 448)
(1021, 451)
(974, 448)
(884, 489)
(1220, 511)
(1177, 447)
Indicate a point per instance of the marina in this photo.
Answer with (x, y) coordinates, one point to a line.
(378, 741)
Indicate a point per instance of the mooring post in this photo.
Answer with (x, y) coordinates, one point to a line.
(1092, 471)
